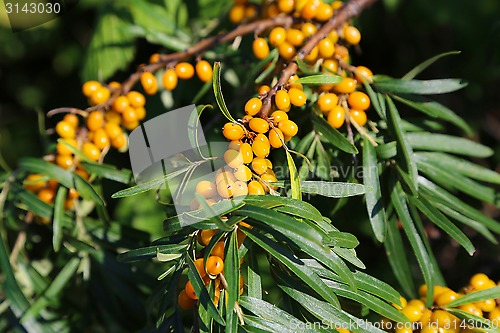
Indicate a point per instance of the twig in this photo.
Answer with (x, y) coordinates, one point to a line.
(237, 307)
(345, 13)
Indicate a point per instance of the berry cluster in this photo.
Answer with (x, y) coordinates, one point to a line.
(436, 319)
(209, 270)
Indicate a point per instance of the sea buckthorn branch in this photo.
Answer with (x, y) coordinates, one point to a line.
(346, 12)
(206, 44)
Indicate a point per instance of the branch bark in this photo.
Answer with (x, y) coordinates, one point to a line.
(346, 12)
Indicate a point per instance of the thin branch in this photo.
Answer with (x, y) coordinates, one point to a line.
(346, 12)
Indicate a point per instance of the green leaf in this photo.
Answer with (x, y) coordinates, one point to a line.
(387, 150)
(305, 237)
(202, 293)
(454, 180)
(396, 254)
(218, 92)
(111, 48)
(442, 222)
(464, 167)
(482, 324)
(442, 196)
(364, 281)
(57, 285)
(52, 171)
(269, 65)
(404, 145)
(328, 314)
(58, 217)
(476, 296)
(332, 135)
(150, 252)
(447, 143)
(254, 280)
(374, 204)
(397, 199)
(272, 313)
(255, 324)
(342, 239)
(304, 67)
(319, 79)
(152, 184)
(435, 110)
(328, 189)
(467, 221)
(293, 263)
(420, 87)
(86, 191)
(285, 205)
(294, 177)
(375, 100)
(232, 273)
(422, 66)
(108, 171)
(372, 302)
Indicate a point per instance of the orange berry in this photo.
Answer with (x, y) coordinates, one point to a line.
(91, 151)
(113, 117)
(206, 189)
(342, 52)
(101, 138)
(204, 70)
(65, 130)
(288, 127)
(477, 281)
(184, 70)
(140, 113)
(255, 188)
(136, 99)
(331, 65)
(313, 55)
(46, 195)
(237, 14)
(149, 83)
(308, 29)
(129, 115)
(95, 120)
(90, 87)
(346, 86)
(120, 141)
(325, 12)
(286, 6)
(259, 165)
(259, 125)
(169, 79)
(71, 119)
(246, 152)
(218, 250)
(417, 303)
(352, 35)
(295, 37)
(286, 50)
(487, 305)
(326, 48)
(446, 297)
(494, 315)
(277, 36)
(199, 264)
(266, 179)
(359, 116)
(215, 265)
(73, 194)
(240, 189)
(233, 158)
(261, 146)
(358, 100)
(189, 290)
(276, 138)
(100, 96)
(472, 309)
(443, 319)
(155, 58)
(310, 10)
(63, 149)
(120, 104)
(35, 182)
(206, 236)
(251, 11)
(113, 85)
(253, 106)
(272, 10)
(242, 173)
(327, 102)
(225, 188)
(233, 131)
(64, 161)
(263, 90)
(282, 100)
(336, 116)
(297, 97)
(184, 301)
(278, 116)
(112, 130)
(225, 176)
(412, 312)
(362, 73)
(260, 48)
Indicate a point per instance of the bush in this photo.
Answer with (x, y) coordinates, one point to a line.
(255, 202)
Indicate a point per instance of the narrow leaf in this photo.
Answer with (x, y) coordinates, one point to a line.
(420, 87)
(319, 79)
(332, 135)
(329, 189)
(447, 143)
(476, 296)
(108, 171)
(294, 177)
(58, 218)
(218, 92)
(422, 66)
